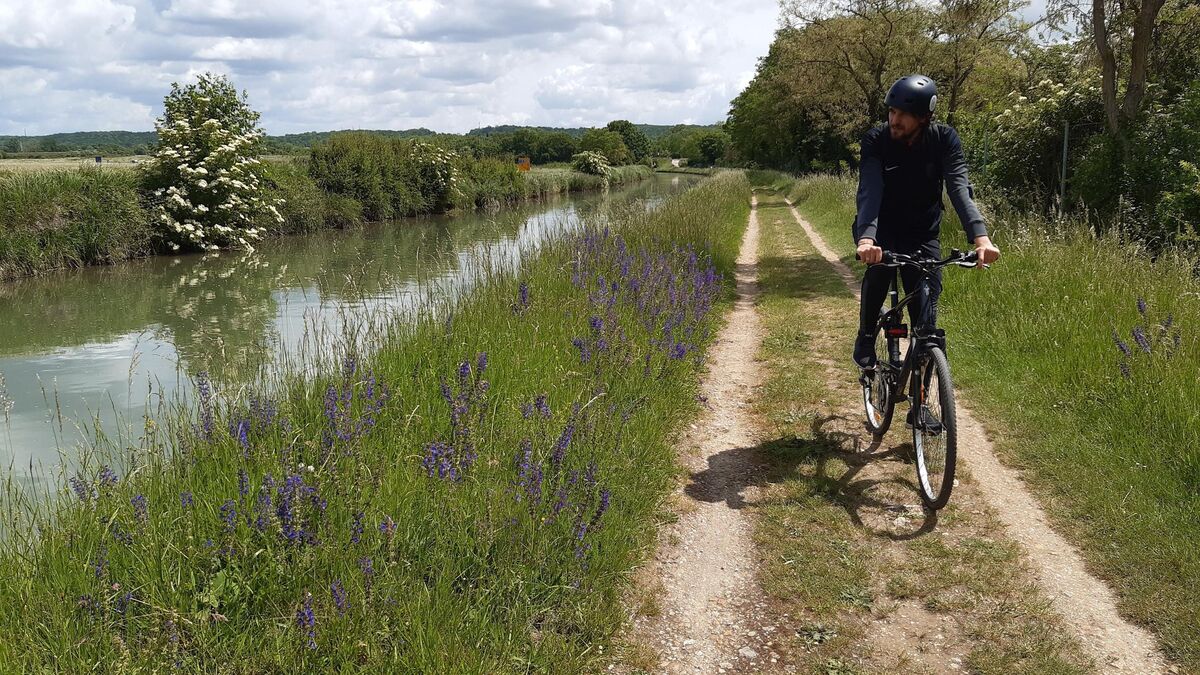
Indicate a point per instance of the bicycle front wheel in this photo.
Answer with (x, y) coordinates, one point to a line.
(877, 393)
(935, 432)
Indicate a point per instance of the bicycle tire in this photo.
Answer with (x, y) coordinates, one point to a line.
(878, 401)
(935, 433)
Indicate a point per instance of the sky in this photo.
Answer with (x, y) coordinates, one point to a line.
(86, 65)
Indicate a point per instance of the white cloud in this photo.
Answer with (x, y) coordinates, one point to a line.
(328, 64)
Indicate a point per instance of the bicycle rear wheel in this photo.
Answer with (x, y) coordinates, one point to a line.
(935, 432)
(878, 402)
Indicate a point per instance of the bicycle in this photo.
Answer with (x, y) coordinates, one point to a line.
(924, 370)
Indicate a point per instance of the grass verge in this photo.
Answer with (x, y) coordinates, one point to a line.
(1109, 439)
(69, 218)
(468, 499)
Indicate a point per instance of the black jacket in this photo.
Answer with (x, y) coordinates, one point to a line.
(900, 188)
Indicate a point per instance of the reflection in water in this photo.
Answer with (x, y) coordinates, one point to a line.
(97, 348)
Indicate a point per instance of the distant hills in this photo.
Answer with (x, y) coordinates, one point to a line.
(137, 142)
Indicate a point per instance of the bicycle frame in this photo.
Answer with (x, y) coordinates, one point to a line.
(917, 342)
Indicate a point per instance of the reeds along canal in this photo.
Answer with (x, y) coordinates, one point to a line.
(97, 353)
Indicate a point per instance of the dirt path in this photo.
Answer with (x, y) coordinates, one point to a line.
(706, 563)
(1085, 603)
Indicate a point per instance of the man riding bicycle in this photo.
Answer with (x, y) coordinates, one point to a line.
(904, 165)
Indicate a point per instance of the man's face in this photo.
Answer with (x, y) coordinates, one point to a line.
(904, 125)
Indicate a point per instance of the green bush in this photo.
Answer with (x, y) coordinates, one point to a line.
(390, 177)
(304, 204)
(1147, 192)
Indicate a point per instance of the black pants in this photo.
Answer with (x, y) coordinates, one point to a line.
(922, 311)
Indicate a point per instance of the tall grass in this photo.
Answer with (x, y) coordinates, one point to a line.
(469, 498)
(1111, 440)
(67, 218)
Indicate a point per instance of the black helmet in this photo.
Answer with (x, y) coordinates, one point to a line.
(915, 94)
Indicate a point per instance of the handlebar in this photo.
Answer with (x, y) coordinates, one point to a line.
(956, 257)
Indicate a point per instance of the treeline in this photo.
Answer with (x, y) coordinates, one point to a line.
(543, 145)
(1119, 90)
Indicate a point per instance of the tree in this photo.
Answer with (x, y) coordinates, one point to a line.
(555, 146)
(608, 143)
(858, 46)
(205, 173)
(635, 140)
(965, 31)
(712, 146)
(1124, 34)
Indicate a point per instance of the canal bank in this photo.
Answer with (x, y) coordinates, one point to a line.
(468, 498)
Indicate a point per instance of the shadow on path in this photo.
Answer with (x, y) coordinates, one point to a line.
(731, 472)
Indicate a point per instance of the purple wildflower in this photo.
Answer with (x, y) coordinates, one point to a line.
(241, 431)
(120, 535)
(306, 620)
(388, 527)
(108, 478)
(140, 508)
(229, 514)
(204, 387)
(542, 405)
(523, 295)
(1139, 336)
(81, 489)
(481, 363)
(243, 484)
(349, 367)
(1121, 344)
(262, 507)
(560, 446)
(529, 476)
(1125, 370)
(605, 496)
(585, 352)
(1141, 306)
(185, 500)
(100, 564)
(368, 572)
(287, 509)
(338, 592)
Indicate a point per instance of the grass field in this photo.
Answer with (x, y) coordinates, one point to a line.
(1081, 353)
(469, 499)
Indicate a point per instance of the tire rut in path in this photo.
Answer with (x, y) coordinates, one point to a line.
(1086, 604)
(706, 562)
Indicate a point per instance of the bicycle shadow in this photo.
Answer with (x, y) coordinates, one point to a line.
(732, 472)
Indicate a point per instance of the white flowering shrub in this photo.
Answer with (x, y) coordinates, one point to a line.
(590, 161)
(205, 178)
(1025, 144)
